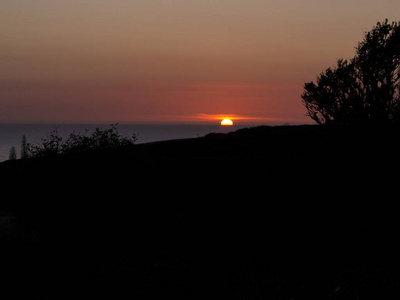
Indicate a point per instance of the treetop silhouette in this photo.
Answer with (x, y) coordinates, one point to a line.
(364, 89)
(79, 143)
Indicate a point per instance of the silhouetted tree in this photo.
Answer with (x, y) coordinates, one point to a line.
(24, 148)
(364, 89)
(13, 153)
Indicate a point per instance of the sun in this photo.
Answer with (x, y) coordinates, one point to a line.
(226, 122)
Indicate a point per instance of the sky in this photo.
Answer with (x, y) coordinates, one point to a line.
(173, 61)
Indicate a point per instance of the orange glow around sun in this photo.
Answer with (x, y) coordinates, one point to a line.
(227, 119)
(226, 122)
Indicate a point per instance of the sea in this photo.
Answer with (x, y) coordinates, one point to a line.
(11, 134)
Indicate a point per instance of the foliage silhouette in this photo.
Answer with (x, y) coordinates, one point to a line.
(13, 154)
(78, 143)
(364, 89)
(24, 148)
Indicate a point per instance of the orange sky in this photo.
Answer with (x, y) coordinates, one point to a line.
(172, 60)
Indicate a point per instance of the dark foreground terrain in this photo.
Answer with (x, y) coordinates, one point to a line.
(296, 212)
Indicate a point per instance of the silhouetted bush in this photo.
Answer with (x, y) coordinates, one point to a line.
(78, 143)
(365, 89)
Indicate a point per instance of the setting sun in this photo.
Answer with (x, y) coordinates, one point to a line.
(226, 122)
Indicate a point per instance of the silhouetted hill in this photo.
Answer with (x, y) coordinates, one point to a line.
(266, 212)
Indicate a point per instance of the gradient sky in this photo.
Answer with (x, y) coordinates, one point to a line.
(172, 60)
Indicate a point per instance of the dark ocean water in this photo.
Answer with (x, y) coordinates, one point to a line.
(11, 134)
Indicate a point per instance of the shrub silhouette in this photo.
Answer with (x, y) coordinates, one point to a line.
(364, 89)
(78, 143)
